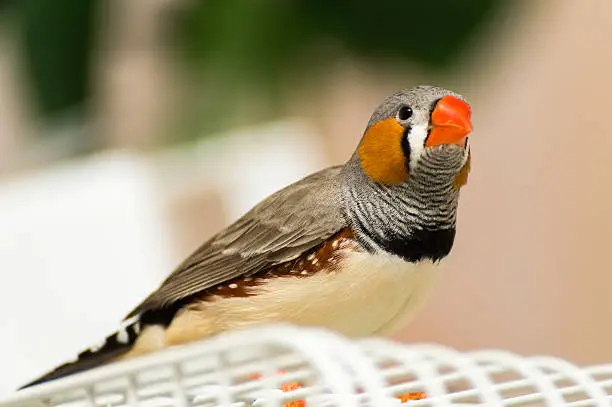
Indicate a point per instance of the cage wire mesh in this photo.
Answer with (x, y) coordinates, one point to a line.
(298, 367)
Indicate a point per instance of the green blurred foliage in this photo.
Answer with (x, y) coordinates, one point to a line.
(231, 45)
(245, 44)
(57, 42)
(266, 34)
(4, 4)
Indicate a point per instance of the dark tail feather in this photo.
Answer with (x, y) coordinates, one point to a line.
(114, 346)
(80, 365)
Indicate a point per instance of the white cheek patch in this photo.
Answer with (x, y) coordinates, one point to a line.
(416, 140)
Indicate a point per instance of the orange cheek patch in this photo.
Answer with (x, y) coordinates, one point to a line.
(381, 155)
(462, 177)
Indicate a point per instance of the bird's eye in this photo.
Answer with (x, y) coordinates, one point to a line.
(404, 113)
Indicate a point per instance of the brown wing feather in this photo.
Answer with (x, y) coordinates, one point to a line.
(278, 229)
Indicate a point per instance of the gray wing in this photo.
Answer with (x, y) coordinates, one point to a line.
(278, 229)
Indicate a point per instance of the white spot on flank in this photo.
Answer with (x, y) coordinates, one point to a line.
(344, 243)
(315, 261)
(293, 271)
(233, 285)
(311, 256)
(335, 244)
(219, 287)
(248, 278)
(304, 272)
(137, 328)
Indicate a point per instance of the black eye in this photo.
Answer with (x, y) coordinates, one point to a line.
(404, 113)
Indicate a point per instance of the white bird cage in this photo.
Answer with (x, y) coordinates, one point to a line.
(299, 367)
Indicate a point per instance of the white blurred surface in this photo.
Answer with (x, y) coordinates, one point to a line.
(78, 244)
(83, 243)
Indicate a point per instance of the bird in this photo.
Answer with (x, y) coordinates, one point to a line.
(355, 248)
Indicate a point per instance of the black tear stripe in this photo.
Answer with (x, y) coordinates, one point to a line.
(431, 110)
(406, 147)
(422, 245)
(433, 107)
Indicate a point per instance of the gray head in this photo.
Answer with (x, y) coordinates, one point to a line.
(423, 125)
(401, 186)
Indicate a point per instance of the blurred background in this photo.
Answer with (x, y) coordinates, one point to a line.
(131, 131)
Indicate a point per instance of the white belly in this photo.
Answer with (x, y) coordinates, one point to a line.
(372, 294)
(369, 294)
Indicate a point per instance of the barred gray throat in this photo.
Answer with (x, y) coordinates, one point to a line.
(415, 220)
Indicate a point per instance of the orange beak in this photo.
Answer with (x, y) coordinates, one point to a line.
(450, 122)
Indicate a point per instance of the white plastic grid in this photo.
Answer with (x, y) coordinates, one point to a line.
(325, 370)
